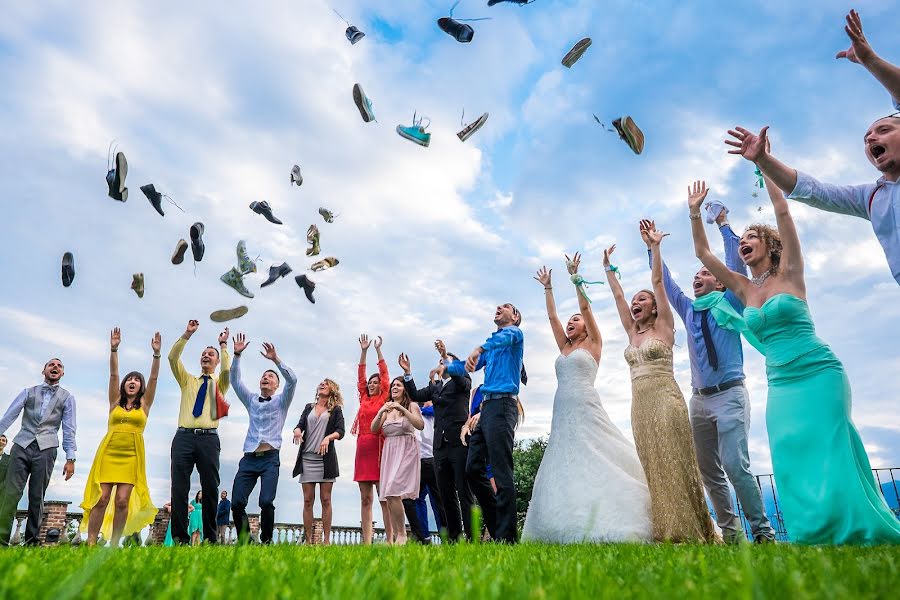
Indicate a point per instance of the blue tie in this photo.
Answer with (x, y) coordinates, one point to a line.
(201, 397)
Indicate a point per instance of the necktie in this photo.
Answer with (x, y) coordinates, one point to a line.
(201, 397)
(266, 399)
(707, 339)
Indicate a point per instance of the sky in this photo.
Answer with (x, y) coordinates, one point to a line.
(213, 104)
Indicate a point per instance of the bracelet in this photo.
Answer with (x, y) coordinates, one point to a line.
(157, 355)
(238, 353)
(548, 288)
(113, 349)
(695, 216)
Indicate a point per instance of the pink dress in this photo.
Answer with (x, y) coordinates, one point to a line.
(400, 466)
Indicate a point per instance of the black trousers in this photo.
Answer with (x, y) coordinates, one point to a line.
(456, 497)
(492, 442)
(416, 528)
(34, 466)
(191, 450)
(265, 468)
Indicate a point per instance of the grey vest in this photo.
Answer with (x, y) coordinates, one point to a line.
(45, 431)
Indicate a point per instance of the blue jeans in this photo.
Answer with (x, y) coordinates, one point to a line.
(251, 468)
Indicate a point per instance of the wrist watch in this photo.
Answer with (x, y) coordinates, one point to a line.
(71, 460)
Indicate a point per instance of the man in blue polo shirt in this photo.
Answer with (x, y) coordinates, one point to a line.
(719, 406)
(492, 440)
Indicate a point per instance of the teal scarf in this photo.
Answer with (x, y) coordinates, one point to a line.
(726, 317)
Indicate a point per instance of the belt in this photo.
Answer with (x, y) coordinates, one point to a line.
(263, 452)
(198, 431)
(496, 395)
(709, 391)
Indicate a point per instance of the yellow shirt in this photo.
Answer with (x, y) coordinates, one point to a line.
(190, 385)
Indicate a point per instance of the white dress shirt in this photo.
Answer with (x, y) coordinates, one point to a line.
(68, 416)
(266, 418)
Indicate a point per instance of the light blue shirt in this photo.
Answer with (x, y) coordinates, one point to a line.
(727, 343)
(68, 416)
(266, 418)
(501, 361)
(884, 212)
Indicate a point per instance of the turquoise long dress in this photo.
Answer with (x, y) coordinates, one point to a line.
(825, 484)
(195, 519)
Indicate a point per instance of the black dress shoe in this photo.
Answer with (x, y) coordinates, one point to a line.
(197, 246)
(265, 210)
(115, 179)
(308, 286)
(68, 269)
(275, 272)
(461, 32)
(154, 197)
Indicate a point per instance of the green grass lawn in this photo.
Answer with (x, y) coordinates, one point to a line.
(462, 571)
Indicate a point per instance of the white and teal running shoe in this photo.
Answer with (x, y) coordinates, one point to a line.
(363, 103)
(416, 133)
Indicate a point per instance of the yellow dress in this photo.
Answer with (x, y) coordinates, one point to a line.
(120, 459)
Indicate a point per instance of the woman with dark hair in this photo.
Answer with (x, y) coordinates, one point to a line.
(825, 484)
(119, 461)
(659, 415)
(320, 425)
(373, 392)
(195, 519)
(397, 420)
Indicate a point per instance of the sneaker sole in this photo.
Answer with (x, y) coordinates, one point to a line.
(577, 51)
(220, 316)
(178, 256)
(121, 174)
(478, 124)
(413, 139)
(68, 270)
(634, 134)
(359, 98)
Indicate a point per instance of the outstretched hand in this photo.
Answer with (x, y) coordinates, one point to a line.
(606, 254)
(572, 264)
(543, 276)
(652, 233)
(441, 348)
(859, 51)
(223, 337)
(403, 361)
(115, 338)
(697, 195)
(268, 351)
(378, 343)
(192, 326)
(749, 145)
(643, 227)
(240, 343)
(364, 341)
(155, 343)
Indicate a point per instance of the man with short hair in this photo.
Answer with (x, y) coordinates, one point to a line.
(877, 202)
(223, 516)
(492, 441)
(44, 408)
(196, 443)
(262, 445)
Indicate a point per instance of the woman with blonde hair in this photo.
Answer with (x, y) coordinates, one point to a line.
(400, 474)
(119, 463)
(320, 425)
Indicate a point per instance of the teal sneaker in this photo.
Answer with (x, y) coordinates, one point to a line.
(416, 133)
(245, 265)
(363, 103)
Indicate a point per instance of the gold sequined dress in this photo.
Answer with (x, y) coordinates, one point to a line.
(665, 446)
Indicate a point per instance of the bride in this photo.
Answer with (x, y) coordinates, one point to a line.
(590, 486)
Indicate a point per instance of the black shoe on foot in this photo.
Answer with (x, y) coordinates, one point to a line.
(265, 210)
(276, 272)
(461, 32)
(68, 269)
(308, 286)
(115, 179)
(197, 245)
(154, 197)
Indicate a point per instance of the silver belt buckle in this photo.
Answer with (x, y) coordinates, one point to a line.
(198, 431)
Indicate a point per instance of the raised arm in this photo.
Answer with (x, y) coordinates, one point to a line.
(417, 395)
(584, 306)
(731, 280)
(150, 393)
(731, 243)
(224, 363)
(862, 53)
(791, 264)
(676, 296)
(115, 338)
(240, 389)
(753, 148)
(664, 316)
(616, 288)
(178, 370)
(543, 277)
(364, 343)
(377, 344)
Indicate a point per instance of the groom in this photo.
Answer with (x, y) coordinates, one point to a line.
(492, 441)
(719, 406)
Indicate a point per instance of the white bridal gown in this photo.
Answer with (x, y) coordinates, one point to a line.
(590, 486)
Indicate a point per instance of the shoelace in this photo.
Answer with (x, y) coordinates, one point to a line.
(169, 198)
(455, 4)
(419, 122)
(109, 155)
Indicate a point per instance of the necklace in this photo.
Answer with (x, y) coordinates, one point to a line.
(758, 281)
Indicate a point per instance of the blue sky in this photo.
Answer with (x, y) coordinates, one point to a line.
(215, 105)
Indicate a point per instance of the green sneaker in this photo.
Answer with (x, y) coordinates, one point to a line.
(416, 133)
(312, 236)
(235, 280)
(245, 265)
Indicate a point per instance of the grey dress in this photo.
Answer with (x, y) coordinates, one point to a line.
(314, 463)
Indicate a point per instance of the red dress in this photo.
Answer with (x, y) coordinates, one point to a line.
(368, 444)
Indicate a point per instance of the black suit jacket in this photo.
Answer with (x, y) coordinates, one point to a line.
(451, 407)
(335, 424)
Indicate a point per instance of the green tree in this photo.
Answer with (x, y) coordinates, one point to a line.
(527, 456)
